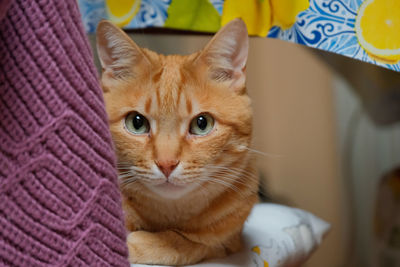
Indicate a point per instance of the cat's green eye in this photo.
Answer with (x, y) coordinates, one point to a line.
(136, 123)
(201, 125)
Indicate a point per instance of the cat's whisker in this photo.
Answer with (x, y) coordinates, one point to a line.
(235, 176)
(124, 172)
(236, 173)
(235, 181)
(189, 176)
(142, 174)
(194, 179)
(147, 178)
(231, 179)
(125, 176)
(124, 164)
(136, 168)
(140, 171)
(261, 152)
(129, 183)
(222, 169)
(123, 169)
(191, 173)
(248, 176)
(240, 171)
(126, 181)
(247, 181)
(229, 186)
(224, 183)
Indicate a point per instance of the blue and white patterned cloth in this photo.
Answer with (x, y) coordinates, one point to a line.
(327, 24)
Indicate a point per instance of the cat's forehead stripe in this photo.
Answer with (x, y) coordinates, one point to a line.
(158, 96)
(147, 106)
(188, 105)
(169, 92)
(169, 87)
(179, 94)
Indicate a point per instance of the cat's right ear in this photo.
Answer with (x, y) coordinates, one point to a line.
(117, 52)
(226, 55)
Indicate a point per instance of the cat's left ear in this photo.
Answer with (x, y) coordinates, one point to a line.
(119, 55)
(226, 55)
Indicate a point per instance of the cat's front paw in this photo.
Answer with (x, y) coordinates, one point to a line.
(150, 248)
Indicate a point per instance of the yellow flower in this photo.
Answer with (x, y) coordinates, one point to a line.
(261, 15)
(121, 12)
(378, 29)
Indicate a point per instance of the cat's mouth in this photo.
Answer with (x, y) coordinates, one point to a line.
(170, 189)
(167, 185)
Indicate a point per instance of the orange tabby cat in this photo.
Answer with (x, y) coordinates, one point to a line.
(182, 127)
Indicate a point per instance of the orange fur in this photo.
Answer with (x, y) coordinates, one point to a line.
(216, 182)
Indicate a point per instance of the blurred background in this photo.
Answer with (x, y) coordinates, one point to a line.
(328, 126)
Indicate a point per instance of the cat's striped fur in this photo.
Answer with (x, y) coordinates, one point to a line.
(199, 213)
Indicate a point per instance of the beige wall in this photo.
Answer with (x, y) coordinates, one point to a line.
(294, 117)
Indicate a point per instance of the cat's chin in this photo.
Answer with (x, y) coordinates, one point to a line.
(170, 190)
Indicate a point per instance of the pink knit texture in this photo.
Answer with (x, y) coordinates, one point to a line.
(4, 5)
(59, 199)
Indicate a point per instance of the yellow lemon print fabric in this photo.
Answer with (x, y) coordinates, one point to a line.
(367, 30)
(378, 29)
(121, 12)
(261, 15)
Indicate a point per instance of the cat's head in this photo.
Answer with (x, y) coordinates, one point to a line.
(178, 122)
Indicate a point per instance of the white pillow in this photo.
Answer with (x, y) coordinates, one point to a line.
(274, 236)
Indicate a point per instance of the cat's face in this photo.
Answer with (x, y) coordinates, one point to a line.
(177, 121)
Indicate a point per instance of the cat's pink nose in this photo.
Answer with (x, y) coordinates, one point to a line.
(167, 166)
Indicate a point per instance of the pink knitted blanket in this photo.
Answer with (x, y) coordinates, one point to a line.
(59, 199)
